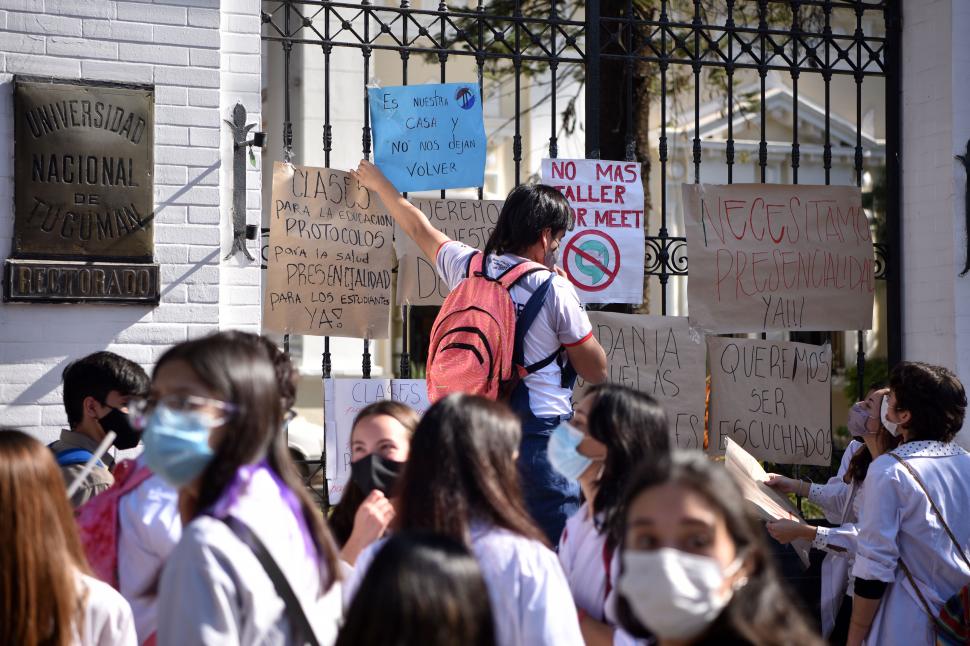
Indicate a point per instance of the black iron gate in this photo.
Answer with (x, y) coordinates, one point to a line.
(639, 65)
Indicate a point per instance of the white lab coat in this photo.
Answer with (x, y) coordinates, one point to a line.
(215, 592)
(897, 522)
(531, 603)
(107, 617)
(149, 528)
(840, 503)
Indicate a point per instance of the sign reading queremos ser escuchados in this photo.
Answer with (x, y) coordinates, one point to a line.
(83, 195)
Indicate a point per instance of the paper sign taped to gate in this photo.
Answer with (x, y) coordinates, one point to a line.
(429, 137)
(661, 356)
(329, 259)
(773, 398)
(603, 253)
(772, 257)
(470, 221)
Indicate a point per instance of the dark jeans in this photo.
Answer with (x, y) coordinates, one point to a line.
(550, 498)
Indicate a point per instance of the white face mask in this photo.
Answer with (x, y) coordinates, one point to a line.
(892, 427)
(674, 594)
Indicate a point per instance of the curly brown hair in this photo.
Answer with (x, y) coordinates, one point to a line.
(934, 398)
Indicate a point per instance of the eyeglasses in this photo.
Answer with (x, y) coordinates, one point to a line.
(140, 408)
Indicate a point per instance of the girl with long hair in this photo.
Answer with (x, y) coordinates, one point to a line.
(255, 563)
(695, 569)
(47, 595)
(840, 499)
(614, 430)
(422, 589)
(380, 439)
(461, 481)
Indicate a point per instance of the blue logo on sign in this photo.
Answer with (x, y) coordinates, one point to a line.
(465, 98)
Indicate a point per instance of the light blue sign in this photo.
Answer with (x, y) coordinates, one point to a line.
(429, 137)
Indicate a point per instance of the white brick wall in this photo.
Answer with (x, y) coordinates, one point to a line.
(936, 126)
(201, 59)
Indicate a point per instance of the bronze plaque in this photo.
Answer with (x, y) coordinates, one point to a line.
(65, 281)
(84, 159)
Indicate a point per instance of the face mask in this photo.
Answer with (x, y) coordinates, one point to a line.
(119, 422)
(674, 594)
(375, 472)
(892, 427)
(177, 444)
(563, 456)
(857, 421)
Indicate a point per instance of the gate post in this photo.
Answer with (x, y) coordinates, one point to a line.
(592, 79)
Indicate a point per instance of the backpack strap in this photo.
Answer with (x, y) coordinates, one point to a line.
(71, 457)
(515, 273)
(475, 263)
(525, 320)
(300, 626)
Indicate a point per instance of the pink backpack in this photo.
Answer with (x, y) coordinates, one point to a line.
(97, 521)
(476, 347)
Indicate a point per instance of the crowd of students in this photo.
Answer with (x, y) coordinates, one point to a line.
(209, 537)
(521, 522)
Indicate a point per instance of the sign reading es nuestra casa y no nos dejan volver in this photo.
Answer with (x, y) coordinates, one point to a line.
(83, 196)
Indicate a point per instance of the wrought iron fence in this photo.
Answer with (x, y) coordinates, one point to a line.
(630, 58)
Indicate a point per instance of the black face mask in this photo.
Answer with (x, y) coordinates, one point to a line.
(375, 472)
(118, 421)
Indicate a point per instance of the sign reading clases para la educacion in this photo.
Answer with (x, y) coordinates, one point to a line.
(429, 137)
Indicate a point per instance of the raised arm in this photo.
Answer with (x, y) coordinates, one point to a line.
(410, 218)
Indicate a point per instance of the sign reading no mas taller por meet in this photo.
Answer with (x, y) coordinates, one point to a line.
(429, 137)
(773, 257)
(603, 253)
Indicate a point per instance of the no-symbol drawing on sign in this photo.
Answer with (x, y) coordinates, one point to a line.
(591, 260)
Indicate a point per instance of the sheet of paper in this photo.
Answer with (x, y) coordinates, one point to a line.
(775, 257)
(429, 137)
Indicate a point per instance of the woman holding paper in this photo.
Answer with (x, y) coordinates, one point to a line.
(840, 499)
(614, 430)
(695, 569)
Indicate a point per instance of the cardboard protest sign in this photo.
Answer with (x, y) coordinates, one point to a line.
(603, 253)
(470, 221)
(770, 257)
(429, 137)
(771, 397)
(768, 503)
(663, 357)
(343, 399)
(329, 257)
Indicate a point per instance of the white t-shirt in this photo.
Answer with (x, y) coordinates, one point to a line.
(149, 529)
(561, 322)
(107, 617)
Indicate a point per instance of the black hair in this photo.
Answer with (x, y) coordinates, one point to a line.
(342, 517)
(462, 467)
(528, 209)
(934, 398)
(237, 367)
(422, 589)
(286, 373)
(96, 375)
(761, 611)
(634, 428)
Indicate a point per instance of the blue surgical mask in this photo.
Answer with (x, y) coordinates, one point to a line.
(177, 444)
(563, 456)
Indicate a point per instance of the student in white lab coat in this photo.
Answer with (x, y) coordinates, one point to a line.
(251, 534)
(380, 440)
(461, 481)
(695, 569)
(906, 564)
(840, 499)
(47, 595)
(614, 430)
